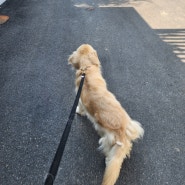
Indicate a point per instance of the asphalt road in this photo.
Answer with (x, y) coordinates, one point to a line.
(37, 93)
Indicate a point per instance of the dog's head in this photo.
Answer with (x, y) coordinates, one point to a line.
(84, 56)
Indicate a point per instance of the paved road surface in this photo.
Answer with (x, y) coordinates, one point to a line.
(37, 92)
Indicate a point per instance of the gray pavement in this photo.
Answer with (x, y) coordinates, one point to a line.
(37, 93)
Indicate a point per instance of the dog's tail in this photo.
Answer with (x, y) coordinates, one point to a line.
(114, 162)
(120, 151)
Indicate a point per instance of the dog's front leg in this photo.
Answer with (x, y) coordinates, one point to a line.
(80, 109)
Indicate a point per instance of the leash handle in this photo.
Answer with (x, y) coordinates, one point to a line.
(60, 150)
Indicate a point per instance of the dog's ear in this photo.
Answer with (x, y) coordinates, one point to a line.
(94, 58)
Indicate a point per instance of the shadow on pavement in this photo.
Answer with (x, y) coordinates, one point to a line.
(176, 39)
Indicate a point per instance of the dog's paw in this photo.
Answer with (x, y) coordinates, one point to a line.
(79, 111)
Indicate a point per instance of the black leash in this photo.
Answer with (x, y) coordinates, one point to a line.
(59, 153)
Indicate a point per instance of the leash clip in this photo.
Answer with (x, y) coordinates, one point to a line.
(83, 75)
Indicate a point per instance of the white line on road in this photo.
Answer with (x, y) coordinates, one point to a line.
(2, 1)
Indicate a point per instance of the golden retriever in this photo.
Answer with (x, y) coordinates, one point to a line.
(116, 129)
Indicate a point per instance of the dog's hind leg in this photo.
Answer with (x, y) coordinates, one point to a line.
(134, 130)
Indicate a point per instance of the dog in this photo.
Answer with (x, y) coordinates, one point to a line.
(116, 129)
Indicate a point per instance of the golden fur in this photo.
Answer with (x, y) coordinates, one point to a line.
(116, 129)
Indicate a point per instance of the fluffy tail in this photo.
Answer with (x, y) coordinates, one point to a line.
(114, 162)
(120, 151)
